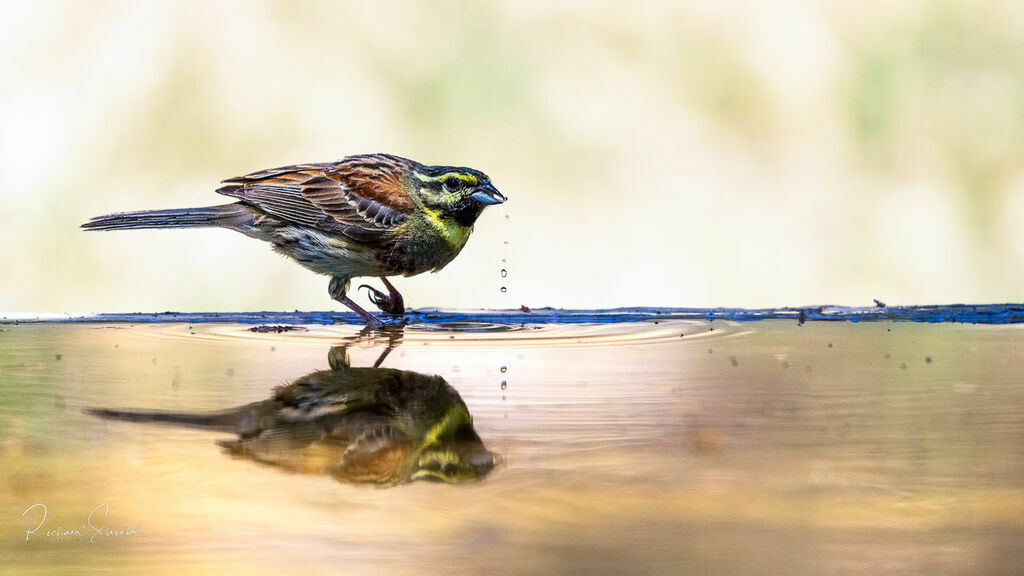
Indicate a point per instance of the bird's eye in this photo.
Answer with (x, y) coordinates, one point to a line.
(452, 183)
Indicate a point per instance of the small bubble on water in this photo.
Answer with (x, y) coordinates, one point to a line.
(504, 369)
(504, 273)
(504, 289)
(504, 384)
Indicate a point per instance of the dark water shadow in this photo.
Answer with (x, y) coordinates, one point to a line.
(371, 426)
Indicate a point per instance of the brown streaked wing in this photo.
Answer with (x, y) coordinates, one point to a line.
(360, 196)
(379, 178)
(283, 174)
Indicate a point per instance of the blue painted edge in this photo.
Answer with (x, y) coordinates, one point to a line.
(959, 313)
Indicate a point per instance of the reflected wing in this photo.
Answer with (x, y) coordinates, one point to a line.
(362, 197)
(335, 393)
(377, 456)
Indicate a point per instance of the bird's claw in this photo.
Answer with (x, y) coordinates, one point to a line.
(389, 303)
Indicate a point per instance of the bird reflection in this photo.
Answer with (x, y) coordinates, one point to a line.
(377, 426)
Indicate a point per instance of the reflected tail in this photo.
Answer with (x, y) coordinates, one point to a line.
(219, 421)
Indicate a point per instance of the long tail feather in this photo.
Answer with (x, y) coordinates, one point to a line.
(224, 215)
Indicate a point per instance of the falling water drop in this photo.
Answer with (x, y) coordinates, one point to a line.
(504, 369)
(504, 385)
(504, 289)
(504, 273)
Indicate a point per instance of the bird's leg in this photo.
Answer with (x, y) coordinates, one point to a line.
(338, 287)
(371, 320)
(392, 302)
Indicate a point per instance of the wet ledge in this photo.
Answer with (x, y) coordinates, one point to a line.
(957, 313)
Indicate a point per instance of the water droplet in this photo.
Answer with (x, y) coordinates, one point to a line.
(507, 217)
(506, 242)
(504, 385)
(504, 369)
(503, 289)
(504, 273)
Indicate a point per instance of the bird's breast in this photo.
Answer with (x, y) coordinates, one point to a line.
(428, 244)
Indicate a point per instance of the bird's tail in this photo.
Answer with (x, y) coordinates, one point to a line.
(227, 215)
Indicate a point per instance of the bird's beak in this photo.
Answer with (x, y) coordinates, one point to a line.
(487, 195)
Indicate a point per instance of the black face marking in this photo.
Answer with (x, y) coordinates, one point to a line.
(448, 190)
(452, 183)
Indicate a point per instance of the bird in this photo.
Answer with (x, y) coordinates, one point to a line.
(366, 426)
(367, 215)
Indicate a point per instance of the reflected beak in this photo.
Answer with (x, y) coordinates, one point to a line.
(487, 195)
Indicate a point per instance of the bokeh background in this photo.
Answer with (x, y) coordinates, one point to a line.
(654, 153)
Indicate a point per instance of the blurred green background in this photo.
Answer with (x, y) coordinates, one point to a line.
(655, 153)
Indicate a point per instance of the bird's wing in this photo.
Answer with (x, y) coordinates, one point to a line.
(362, 197)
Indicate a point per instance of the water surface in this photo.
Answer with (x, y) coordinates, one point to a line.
(658, 446)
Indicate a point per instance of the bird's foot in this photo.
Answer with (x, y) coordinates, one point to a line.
(392, 302)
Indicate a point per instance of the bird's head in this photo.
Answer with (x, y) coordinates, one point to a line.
(460, 194)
